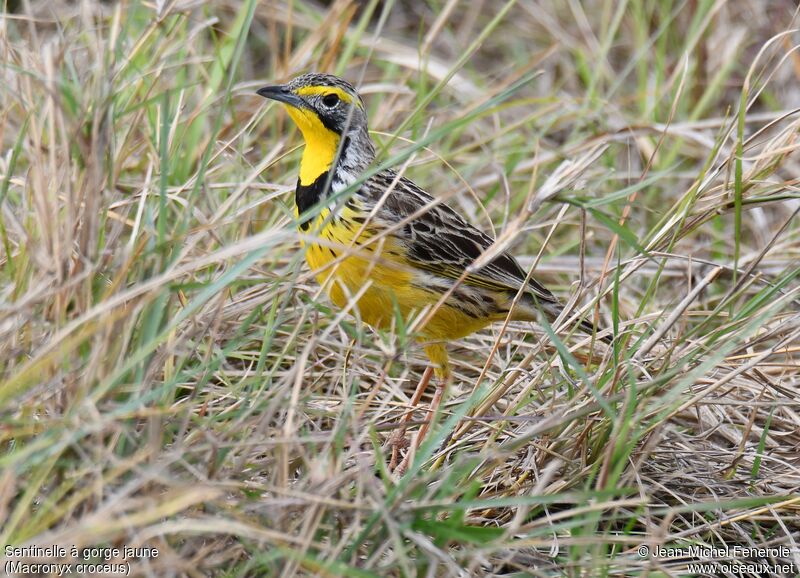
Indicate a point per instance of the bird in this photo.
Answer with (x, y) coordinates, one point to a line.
(381, 244)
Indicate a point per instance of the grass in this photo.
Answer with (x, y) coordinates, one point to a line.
(172, 377)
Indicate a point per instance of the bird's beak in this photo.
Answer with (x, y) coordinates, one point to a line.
(282, 94)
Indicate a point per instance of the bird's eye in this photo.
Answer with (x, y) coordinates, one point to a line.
(330, 100)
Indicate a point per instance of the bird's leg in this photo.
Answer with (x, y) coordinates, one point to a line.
(423, 431)
(437, 355)
(435, 402)
(398, 439)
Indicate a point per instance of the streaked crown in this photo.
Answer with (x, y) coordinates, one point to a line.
(335, 101)
(318, 83)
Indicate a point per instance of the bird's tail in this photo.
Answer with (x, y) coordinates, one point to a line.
(553, 311)
(587, 327)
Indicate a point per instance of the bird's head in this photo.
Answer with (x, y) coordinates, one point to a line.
(320, 102)
(326, 109)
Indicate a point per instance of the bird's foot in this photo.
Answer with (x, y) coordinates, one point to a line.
(398, 442)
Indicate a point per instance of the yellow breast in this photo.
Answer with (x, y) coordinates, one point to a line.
(347, 265)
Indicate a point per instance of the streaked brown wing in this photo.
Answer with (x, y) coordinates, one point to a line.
(442, 242)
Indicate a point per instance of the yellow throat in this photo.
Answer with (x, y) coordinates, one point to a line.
(321, 144)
